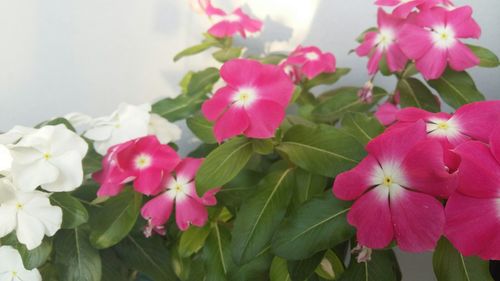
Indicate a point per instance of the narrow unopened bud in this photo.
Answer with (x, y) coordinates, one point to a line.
(366, 93)
(364, 254)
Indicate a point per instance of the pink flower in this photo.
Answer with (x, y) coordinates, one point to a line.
(144, 160)
(386, 113)
(179, 189)
(395, 188)
(405, 7)
(310, 61)
(433, 40)
(473, 212)
(252, 103)
(383, 42)
(227, 25)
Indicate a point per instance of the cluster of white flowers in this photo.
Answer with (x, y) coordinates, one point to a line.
(126, 123)
(12, 268)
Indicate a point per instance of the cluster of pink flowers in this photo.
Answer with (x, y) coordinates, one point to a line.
(422, 159)
(155, 168)
(425, 31)
(228, 24)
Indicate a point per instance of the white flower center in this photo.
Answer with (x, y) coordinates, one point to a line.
(388, 175)
(178, 189)
(443, 128)
(385, 38)
(244, 97)
(312, 56)
(443, 36)
(143, 161)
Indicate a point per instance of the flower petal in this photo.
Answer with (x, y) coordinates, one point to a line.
(189, 211)
(264, 118)
(461, 57)
(214, 107)
(478, 119)
(30, 231)
(148, 182)
(433, 63)
(418, 219)
(352, 184)
(371, 216)
(158, 209)
(232, 123)
(187, 168)
(241, 72)
(70, 172)
(28, 177)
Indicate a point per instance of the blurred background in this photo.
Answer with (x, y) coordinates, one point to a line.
(64, 56)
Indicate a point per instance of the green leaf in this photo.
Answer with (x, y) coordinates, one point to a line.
(456, 88)
(238, 190)
(324, 150)
(415, 93)
(193, 240)
(362, 127)
(260, 215)
(74, 213)
(92, 161)
(308, 185)
(202, 128)
(196, 86)
(273, 58)
(31, 258)
(223, 164)
(303, 269)
(279, 270)
(326, 78)
(450, 265)
(114, 220)
(224, 55)
(217, 255)
(487, 58)
(317, 225)
(55, 122)
(196, 49)
(75, 259)
(148, 255)
(113, 268)
(257, 269)
(334, 104)
(263, 146)
(330, 267)
(383, 266)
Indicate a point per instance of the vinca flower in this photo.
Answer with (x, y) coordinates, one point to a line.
(12, 267)
(227, 25)
(145, 161)
(29, 213)
(50, 157)
(432, 39)
(473, 212)
(179, 190)
(404, 7)
(395, 189)
(252, 103)
(310, 62)
(383, 42)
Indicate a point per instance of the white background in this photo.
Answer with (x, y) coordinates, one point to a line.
(60, 56)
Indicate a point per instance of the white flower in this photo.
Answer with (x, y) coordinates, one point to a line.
(5, 159)
(127, 123)
(12, 268)
(79, 121)
(29, 213)
(50, 157)
(165, 131)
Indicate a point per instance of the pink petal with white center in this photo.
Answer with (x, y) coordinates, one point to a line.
(189, 211)
(158, 209)
(232, 123)
(418, 219)
(214, 107)
(426, 171)
(478, 119)
(386, 113)
(371, 216)
(473, 224)
(241, 72)
(274, 85)
(374, 61)
(393, 145)
(461, 57)
(368, 43)
(352, 184)
(495, 143)
(187, 168)
(386, 20)
(479, 171)
(149, 181)
(264, 118)
(433, 63)
(396, 59)
(414, 41)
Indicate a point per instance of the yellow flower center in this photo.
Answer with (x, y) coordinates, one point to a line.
(388, 181)
(143, 161)
(47, 155)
